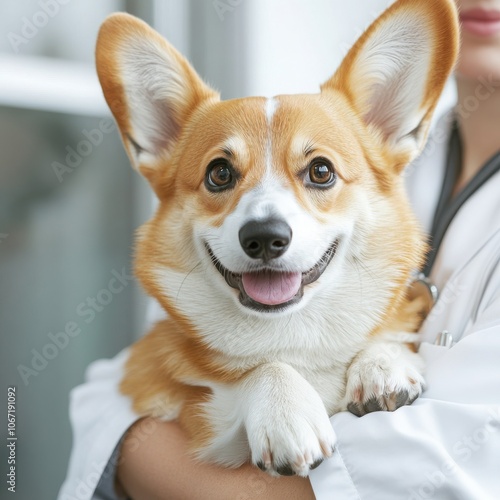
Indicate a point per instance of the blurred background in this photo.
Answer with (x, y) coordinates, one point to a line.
(69, 201)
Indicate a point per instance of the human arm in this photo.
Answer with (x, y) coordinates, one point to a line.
(446, 445)
(152, 461)
(155, 465)
(419, 450)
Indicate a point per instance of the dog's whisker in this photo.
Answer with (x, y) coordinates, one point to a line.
(184, 280)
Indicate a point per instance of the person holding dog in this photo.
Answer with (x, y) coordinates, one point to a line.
(445, 445)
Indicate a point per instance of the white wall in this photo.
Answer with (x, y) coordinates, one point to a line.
(294, 45)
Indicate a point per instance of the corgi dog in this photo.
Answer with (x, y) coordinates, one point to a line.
(283, 242)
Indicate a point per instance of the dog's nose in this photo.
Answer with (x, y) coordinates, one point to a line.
(265, 239)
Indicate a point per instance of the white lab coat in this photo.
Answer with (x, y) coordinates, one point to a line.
(444, 446)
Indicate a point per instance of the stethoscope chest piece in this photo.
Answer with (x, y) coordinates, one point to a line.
(421, 287)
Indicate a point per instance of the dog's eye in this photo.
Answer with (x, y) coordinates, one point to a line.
(321, 173)
(220, 175)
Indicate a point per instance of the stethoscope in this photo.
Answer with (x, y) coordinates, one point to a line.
(447, 207)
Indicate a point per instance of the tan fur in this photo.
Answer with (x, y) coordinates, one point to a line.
(163, 363)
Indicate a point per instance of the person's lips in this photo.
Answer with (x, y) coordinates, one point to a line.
(481, 22)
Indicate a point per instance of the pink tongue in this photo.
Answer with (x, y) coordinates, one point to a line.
(271, 288)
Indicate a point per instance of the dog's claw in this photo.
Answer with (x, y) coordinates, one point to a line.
(261, 466)
(285, 470)
(316, 464)
(373, 404)
(389, 402)
(355, 409)
(402, 398)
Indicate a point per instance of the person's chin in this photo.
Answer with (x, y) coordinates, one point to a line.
(481, 64)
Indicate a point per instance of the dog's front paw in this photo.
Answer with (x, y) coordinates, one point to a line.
(289, 432)
(383, 377)
(294, 443)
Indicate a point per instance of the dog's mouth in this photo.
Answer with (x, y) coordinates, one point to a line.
(266, 289)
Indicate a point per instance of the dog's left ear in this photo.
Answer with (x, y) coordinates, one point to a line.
(394, 74)
(150, 88)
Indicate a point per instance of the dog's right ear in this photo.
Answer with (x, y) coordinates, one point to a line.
(150, 88)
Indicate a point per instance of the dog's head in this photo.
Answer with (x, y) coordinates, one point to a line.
(266, 205)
